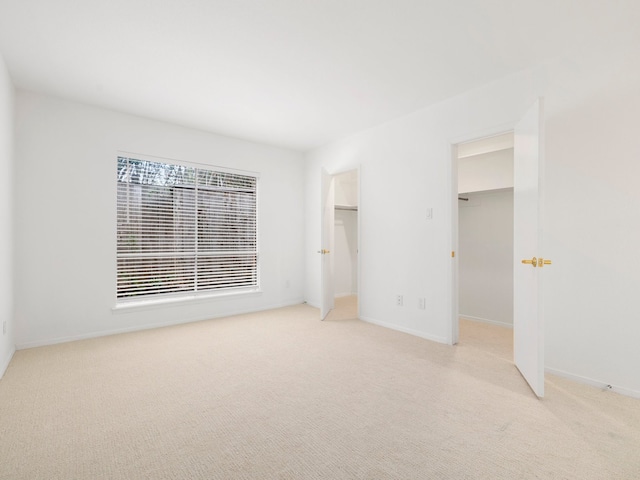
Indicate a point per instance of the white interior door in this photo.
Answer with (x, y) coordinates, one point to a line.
(528, 325)
(326, 241)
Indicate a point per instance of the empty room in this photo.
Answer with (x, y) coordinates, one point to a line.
(261, 239)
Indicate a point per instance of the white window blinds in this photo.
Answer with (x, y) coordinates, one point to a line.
(184, 230)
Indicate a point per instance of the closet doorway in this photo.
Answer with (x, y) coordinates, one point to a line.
(485, 231)
(341, 232)
(527, 167)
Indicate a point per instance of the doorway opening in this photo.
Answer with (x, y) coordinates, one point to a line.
(485, 235)
(528, 302)
(341, 239)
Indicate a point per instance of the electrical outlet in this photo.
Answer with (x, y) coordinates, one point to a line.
(399, 300)
(422, 303)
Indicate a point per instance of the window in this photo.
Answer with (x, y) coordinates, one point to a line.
(184, 230)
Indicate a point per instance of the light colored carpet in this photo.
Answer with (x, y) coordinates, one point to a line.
(281, 395)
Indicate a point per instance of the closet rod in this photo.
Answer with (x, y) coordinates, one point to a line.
(353, 208)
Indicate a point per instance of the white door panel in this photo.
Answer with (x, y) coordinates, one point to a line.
(326, 241)
(528, 324)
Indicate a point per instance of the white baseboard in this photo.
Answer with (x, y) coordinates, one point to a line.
(116, 331)
(486, 320)
(594, 383)
(416, 333)
(5, 363)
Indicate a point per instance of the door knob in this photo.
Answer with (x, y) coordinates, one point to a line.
(542, 262)
(323, 251)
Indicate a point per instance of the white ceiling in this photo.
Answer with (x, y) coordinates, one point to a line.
(294, 73)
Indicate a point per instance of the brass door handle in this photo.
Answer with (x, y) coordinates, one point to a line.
(323, 251)
(537, 262)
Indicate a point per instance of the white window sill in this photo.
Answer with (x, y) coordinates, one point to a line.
(128, 306)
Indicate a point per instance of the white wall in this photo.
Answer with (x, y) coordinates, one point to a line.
(65, 196)
(346, 253)
(6, 217)
(591, 227)
(485, 257)
(346, 188)
(488, 171)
